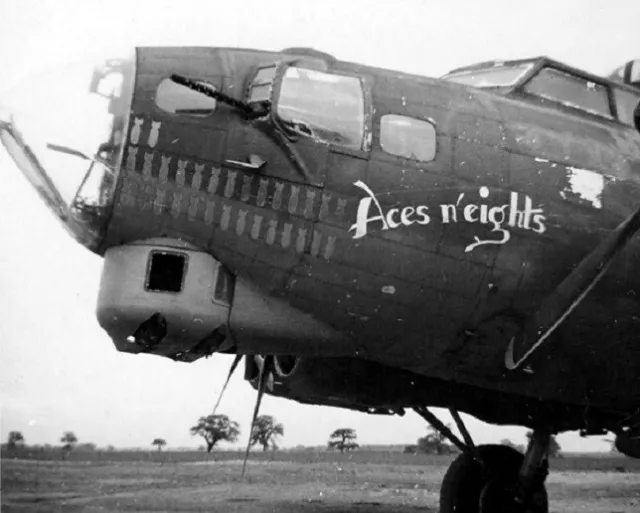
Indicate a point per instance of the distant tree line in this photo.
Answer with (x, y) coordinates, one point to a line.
(220, 428)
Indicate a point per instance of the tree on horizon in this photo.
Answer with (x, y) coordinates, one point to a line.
(69, 439)
(160, 442)
(15, 439)
(216, 428)
(343, 439)
(434, 442)
(265, 430)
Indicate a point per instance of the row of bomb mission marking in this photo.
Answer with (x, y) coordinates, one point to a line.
(229, 218)
(255, 224)
(296, 199)
(137, 128)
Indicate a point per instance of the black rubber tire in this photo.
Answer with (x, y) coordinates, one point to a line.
(465, 480)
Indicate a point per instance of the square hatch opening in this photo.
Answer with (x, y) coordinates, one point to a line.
(166, 272)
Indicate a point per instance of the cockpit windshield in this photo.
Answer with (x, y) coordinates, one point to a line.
(494, 76)
(323, 106)
(65, 131)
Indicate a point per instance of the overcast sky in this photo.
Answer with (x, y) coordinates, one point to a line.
(58, 370)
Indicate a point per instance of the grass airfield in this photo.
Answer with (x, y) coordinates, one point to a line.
(281, 482)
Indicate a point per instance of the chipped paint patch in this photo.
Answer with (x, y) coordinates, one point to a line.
(587, 185)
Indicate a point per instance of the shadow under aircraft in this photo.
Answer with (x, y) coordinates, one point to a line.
(364, 238)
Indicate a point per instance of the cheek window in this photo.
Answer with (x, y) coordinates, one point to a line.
(178, 99)
(260, 87)
(407, 137)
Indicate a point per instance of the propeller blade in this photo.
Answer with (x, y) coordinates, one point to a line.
(234, 366)
(265, 371)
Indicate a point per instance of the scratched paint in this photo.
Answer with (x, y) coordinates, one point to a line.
(587, 185)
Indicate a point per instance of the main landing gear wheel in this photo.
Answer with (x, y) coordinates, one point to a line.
(469, 488)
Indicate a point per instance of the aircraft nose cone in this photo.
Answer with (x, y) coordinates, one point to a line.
(66, 117)
(65, 130)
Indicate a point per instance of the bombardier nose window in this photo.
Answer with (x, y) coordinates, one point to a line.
(66, 131)
(322, 106)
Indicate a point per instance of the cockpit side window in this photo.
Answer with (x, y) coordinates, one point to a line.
(626, 104)
(408, 137)
(260, 87)
(179, 99)
(570, 90)
(495, 76)
(323, 106)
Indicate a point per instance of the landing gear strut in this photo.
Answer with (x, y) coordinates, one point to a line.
(494, 478)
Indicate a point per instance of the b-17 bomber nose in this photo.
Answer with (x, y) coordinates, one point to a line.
(65, 130)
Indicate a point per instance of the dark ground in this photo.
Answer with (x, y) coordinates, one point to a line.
(92, 484)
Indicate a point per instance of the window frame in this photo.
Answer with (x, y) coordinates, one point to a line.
(526, 66)
(574, 107)
(422, 120)
(196, 116)
(251, 83)
(623, 90)
(365, 88)
(185, 270)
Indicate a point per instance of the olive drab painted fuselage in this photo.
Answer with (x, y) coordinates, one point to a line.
(421, 219)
